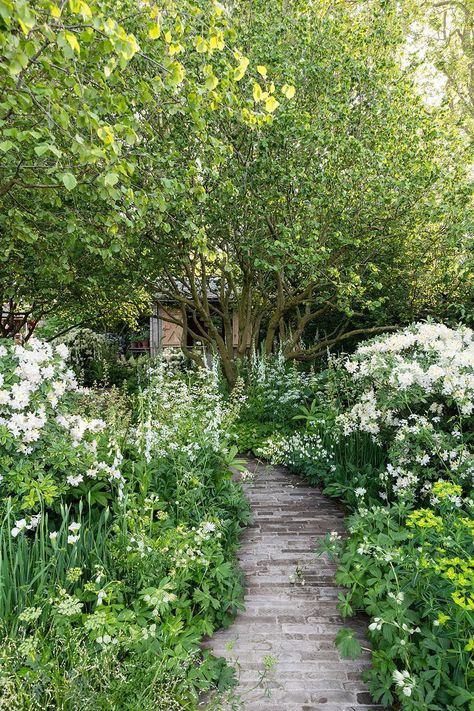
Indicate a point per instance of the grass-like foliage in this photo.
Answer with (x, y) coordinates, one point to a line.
(117, 537)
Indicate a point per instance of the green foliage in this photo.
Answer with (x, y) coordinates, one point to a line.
(106, 593)
(351, 210)
(85, 88)
(347, 644)
(395, 445)
(250, 435)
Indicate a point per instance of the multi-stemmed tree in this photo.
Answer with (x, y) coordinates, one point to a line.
(345, 216)
(104, 112)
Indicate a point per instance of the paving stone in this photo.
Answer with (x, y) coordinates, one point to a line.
(294, 623)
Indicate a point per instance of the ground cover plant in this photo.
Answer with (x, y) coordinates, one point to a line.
(117, 535)
(391, 434)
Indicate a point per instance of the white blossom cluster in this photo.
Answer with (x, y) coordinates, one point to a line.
(181, 416)
(277, 385)
(279, 449)
(36, 387)
(410, 385)
(423, 360)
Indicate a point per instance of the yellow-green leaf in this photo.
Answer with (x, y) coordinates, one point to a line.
(200, 44)
(257, 92)
(271, 104)
(111, 179)
(239, 72)
(106, 134)
(72, 41)
(288, 90)
(154, 32)
(69, 181)
(216, 41)
(109, 68)
(176, 75)
(211, 82)
(55, 11)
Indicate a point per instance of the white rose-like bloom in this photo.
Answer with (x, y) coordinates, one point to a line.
(62, 350)
(74, 526)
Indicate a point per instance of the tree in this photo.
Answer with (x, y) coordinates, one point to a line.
(92, 97)
(442, 35)
(315, 220)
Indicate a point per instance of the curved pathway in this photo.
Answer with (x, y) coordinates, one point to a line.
(291, 615)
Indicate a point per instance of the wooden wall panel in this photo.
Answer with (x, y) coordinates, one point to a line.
(171, 332)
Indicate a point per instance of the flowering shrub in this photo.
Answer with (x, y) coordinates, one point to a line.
(399, 452)
(117, 536)
(275, 389)
(49, 452)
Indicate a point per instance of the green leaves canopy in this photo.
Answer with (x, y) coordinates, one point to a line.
(104, 109)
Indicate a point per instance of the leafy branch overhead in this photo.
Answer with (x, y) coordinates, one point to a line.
(92, 97)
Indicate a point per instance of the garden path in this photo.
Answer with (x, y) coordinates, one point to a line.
(294, 622)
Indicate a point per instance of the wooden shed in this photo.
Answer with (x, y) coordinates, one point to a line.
(166, 334)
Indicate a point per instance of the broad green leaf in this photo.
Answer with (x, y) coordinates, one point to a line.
(69, 181)
(26, 18)
(6, 9)
(111, 179)
(6, 146)
(347, 645)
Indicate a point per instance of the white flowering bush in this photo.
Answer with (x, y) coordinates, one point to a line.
(275, 389)
(414, 394)
(182, 414)
(396, 445)
(48, 451)
(117, 535)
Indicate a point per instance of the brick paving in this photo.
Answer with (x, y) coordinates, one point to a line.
(292, 622)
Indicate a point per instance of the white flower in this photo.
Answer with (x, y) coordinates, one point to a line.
(75, 480)
(376, 624)
(74, 526)
(53, 535)
(62, 350)
(72, 539)
(360, 491)
(404, 681)
(101, 595)
(19, 527)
